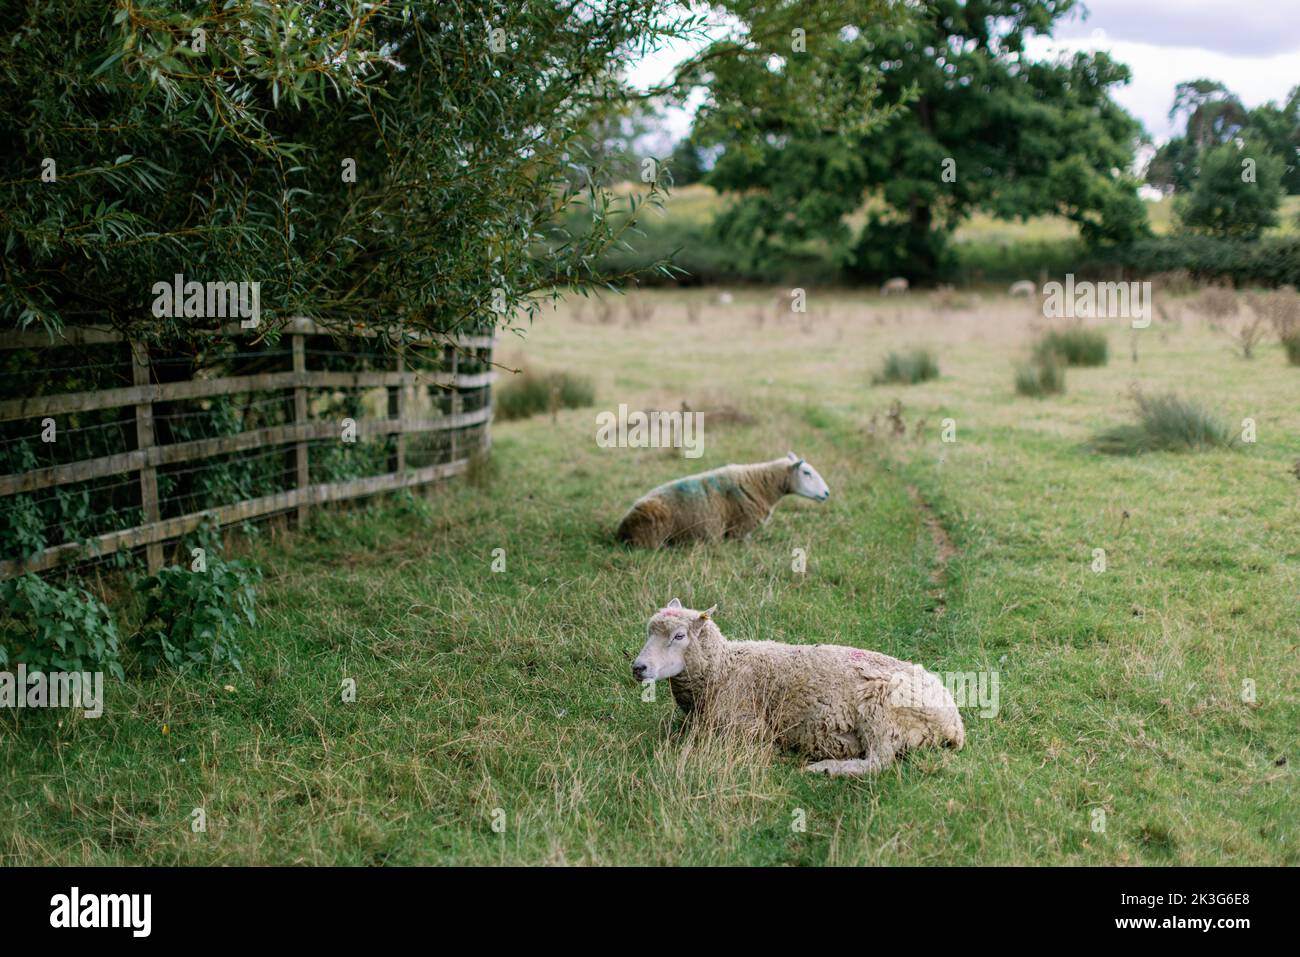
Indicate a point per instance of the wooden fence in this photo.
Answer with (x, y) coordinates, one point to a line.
(462, 427)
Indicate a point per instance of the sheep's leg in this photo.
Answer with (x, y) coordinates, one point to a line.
(855, 767)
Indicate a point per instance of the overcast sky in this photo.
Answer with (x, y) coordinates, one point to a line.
(1253, 46)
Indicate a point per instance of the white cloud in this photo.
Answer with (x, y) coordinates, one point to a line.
(1242, 28)
(1158, 69)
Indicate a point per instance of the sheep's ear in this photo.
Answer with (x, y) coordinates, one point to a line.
(674, 604)
(792, 457)
(706, 615)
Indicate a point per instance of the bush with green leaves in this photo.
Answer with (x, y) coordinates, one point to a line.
(1167, 423)
(390, 163)
(49, 628)
(531, 392)
(1077, 346)
(193, 617)
(907, 368)
(1267, 261)
(1041, 376)
(1237, 193)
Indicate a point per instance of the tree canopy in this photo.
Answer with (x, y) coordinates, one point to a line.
(963, 121)
(1237, 193)
(1211, 116)
(392, 162)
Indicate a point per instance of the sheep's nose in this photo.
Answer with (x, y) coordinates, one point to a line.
(638, 670)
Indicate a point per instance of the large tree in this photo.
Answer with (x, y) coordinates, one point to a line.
(1237, 192)
(1211, 116)
(984, 127)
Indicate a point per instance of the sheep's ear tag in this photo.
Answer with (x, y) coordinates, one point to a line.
(674, 604)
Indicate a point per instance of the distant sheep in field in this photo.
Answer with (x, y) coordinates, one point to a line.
(898, 284)
(728, 502)
(725, 298)
(848, 710)
(1023, 287)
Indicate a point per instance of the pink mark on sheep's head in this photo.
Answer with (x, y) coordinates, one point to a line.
(669, 633)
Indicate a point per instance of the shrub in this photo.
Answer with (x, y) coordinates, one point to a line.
(1249, 333)
(1041, 376)
(1076, 346)
(193, 616)
(1217, 303)
(1223, 203)
(1268, 261)
(48, 628)
(530, 392)
(1292, 346)
(1173, 282)
(274, 85)
(907, 368)
(1282, 311)
(1166, 423)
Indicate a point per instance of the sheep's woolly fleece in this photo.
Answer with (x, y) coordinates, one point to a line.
(727, 502)
(847, 710)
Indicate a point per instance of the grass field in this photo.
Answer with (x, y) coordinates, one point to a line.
(1126, 732)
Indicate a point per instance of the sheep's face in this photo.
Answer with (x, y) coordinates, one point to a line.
(805, 480)
(668, 635)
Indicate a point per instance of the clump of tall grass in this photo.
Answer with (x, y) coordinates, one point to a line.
(530, 392)
(907, 368)
(1041, 376)
(1166, 423)
(1292, 346)
(1076, 346)
(640, 308)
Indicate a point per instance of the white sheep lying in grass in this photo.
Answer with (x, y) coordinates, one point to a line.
(897, 284)
(728, 502)
(1023, 287)
(850, 711)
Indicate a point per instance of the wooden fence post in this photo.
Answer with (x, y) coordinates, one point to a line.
(300, 417)
(457, 400)
(144, 439)
(397, 410)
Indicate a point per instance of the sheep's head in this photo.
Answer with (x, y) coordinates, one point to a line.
(669, 633)
(804, 480)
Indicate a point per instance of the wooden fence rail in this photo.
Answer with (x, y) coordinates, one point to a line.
(467, 432)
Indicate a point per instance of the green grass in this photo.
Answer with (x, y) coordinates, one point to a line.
(476, 691)
(1076, 346)
(907, 368)
(1167, 423)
